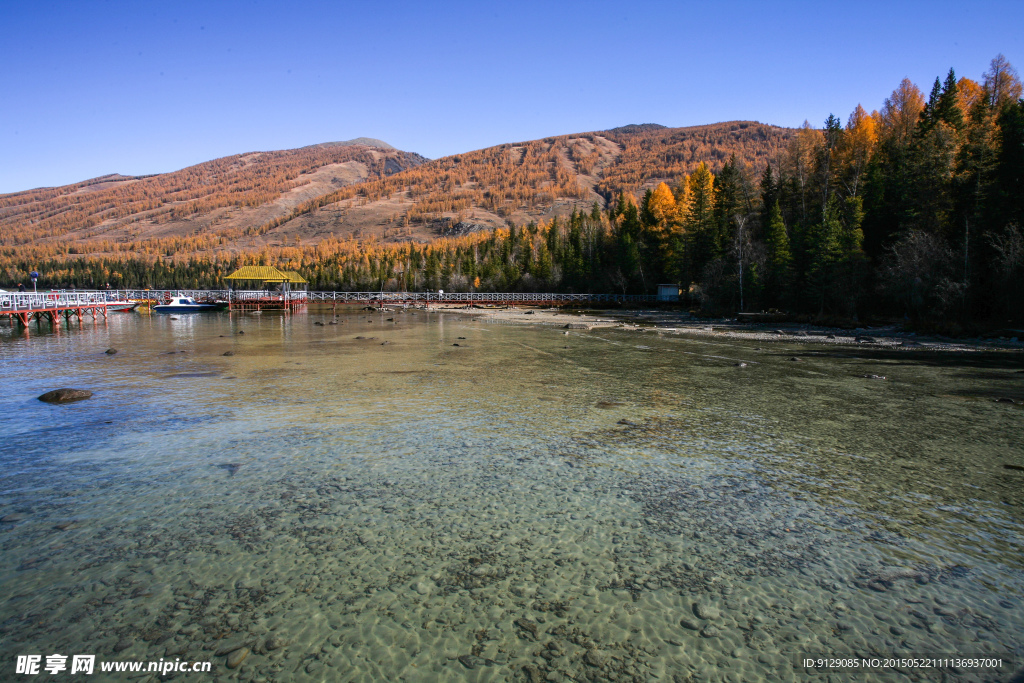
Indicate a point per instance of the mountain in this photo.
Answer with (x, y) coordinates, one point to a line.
(525, 181)
(224, 196)
(366, 142)
(638, 128)
(364, 188)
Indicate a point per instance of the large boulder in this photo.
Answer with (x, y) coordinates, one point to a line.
(65, 395)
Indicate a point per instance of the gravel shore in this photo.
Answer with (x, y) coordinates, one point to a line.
(676, 322)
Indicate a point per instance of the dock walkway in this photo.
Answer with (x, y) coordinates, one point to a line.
(24, 307)
(27, 306)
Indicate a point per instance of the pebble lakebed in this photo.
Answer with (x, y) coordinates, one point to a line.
(530, 505)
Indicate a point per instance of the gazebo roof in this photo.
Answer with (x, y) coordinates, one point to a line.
(265, 274)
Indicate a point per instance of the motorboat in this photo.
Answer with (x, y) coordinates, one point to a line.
(121, 305)
(186, 304)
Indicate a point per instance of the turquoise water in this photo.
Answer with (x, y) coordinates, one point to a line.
(527, 505)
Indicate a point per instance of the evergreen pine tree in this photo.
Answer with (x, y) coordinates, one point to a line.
(780, 259)
(947, 107)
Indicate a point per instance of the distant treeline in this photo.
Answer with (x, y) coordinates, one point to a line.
(915, 210)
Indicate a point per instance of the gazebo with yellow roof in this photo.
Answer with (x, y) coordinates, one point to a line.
(286, 298)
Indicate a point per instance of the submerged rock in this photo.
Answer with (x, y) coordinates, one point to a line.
(236, 658)
(65, 395)
(229, 353)
(529, 628)
(275, 642)
(704, 612)
(110, 352)
(595, 658)
(17, 517)
(470, 661)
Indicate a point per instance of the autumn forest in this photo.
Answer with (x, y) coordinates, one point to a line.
(914, 211)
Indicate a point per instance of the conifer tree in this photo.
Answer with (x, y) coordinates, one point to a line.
(948, 106)
(780, 259)
(702, 243)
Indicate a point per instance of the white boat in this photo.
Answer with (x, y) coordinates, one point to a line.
(186, 304)
(121, 305)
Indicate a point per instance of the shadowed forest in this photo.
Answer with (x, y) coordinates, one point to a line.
(914, 210)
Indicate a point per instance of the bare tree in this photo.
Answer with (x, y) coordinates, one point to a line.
(919, 274)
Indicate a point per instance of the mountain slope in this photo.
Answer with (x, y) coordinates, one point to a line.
(526, 181)
(364, 189)
(227, 195)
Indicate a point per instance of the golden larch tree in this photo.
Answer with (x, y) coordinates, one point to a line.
(900, 112)
(662, 206)
(857, 147)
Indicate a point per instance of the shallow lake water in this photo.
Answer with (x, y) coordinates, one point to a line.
(416, 496)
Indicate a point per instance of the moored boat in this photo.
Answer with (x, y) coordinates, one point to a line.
(120, 305)
(185, 304)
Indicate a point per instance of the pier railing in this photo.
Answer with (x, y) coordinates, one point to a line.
(14, 301)
(475, 297)
(33, 301)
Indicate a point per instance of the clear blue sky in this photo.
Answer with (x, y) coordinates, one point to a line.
(90, 88)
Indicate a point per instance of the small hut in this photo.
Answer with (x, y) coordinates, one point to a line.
(290, 292)
(670, 293)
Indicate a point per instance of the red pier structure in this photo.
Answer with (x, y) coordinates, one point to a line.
(51, 306)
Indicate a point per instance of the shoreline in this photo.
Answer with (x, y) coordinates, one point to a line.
(889, 337)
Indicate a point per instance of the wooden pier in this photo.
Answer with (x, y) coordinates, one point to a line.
(270, 301)
(25, 307)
